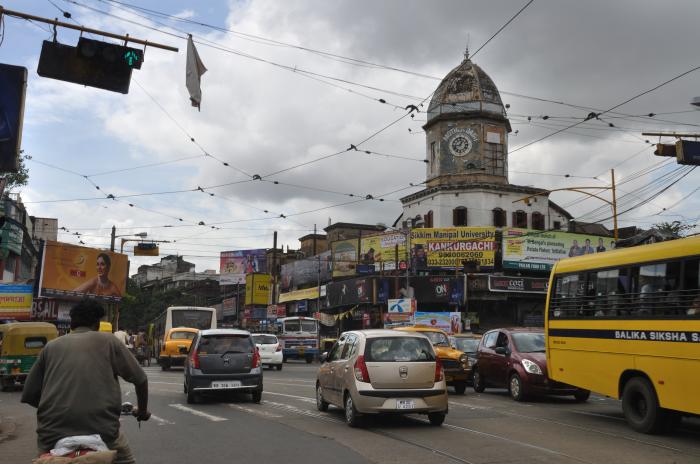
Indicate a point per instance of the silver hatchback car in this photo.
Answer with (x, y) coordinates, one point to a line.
(382, 371)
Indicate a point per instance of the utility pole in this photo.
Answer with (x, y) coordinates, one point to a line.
(114, 236)
(614, 203)
(314, 242)
(274, 268)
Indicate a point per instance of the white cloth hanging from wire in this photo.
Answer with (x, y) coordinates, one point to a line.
(193, 73)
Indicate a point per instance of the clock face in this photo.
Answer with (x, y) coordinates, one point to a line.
(461, 142)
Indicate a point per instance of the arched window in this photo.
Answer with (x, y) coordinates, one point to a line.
(499, 217)
(428, 219)
(537, 221)
(520, 219)
(459, 216)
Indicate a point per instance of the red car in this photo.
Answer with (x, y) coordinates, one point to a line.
(515, 359)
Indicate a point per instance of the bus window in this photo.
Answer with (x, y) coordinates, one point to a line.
(691, 284)
(607, 292)
(292, 326)
(308, 326)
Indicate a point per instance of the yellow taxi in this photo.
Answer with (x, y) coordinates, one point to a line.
(175, 347)
(455, 363)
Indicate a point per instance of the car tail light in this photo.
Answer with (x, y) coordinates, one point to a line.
(279, 347)
(361, 372)
(195, 359)
(256, 358)
(439, 374)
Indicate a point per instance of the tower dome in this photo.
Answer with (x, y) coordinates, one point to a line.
(466, 89)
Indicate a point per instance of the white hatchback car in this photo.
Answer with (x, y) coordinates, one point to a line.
(270, 350)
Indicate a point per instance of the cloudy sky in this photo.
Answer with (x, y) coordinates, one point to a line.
(295, 80)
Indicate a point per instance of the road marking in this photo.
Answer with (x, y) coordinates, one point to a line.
(211, 417)
(161, 421)
(167, 383)
(597, 415)
(288, 384)
(303, 412)
(256, 412)
(305, 399)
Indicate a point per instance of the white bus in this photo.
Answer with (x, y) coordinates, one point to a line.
(193, 317)
(299, 338)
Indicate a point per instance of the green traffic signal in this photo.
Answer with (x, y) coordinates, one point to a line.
(131, 58)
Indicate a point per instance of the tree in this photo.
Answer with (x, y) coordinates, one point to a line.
(19, 178)
(675, 228)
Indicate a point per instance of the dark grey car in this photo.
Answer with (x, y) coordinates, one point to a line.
(223, 361)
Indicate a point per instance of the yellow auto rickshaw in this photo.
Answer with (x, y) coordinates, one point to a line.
(327, 344)
(20, 344)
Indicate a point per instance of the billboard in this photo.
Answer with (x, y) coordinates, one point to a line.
(72, 269)
(234, 265)
(538, 251)
(448, 322)
(258, 288)
(347, 292)
(344, 257)
(447, 248)
(402, 305)
(15, 301)
(380, 251)
(306, 271)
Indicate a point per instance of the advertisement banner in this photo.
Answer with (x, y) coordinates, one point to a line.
(15, 301)
(306, 271)
(518, 284)
(272, 312)
(258, 288)
(234, 265)
(380, 251)
(402, 305)
(447, 248)
(448, 322)
(398, 320)
(347, 292)
(438, 289)
(538, 251)
(228, 306)
(344, 257)
(146, 249)
(296, 295)
(72, 269)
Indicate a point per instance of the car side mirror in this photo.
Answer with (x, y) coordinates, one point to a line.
(324, 357)
(501, 350)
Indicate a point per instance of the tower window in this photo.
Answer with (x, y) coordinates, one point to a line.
(495, 159)
(499, 217)
(428, 219)
(433, 157)
(459, 216)
(520, 219)
(537, 221)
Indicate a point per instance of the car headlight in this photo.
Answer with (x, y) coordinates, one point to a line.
(531, 367)
(464, 359)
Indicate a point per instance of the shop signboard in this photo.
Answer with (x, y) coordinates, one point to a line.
(518, 284)
(234, 265)
(449, 322)
(448, 248)
(74, 270)
(402, 306)
(296, 295)
(229, 306)
(380, 251)
(306, 271)
(272, 312)
(258, 288)
(44, 309)
(15, 301)
(536, 250)
(344, 257)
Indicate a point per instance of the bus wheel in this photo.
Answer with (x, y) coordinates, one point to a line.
(641, 406)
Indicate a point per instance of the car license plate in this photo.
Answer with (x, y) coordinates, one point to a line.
(226, 384)
(405, 404)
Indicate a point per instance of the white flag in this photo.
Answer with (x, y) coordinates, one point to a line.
(193, 73)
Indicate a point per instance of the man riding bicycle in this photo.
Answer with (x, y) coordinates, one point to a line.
(74, 384)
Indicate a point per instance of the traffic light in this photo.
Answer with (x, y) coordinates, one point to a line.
(93, 63)
(13, 86)
(686, 152)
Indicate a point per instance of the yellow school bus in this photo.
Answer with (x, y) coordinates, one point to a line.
(626, 324)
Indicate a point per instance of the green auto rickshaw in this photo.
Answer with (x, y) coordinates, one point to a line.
(20, 344)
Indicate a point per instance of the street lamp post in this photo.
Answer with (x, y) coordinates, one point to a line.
(612, 203)
(115, 236)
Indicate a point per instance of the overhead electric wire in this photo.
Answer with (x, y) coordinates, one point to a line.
(503, 27)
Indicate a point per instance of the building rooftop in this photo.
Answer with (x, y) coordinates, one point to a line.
(350, 225)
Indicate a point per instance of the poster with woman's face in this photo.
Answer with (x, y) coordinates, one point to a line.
(83, 270)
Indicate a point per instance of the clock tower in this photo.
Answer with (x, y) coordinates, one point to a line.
(467, 130)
